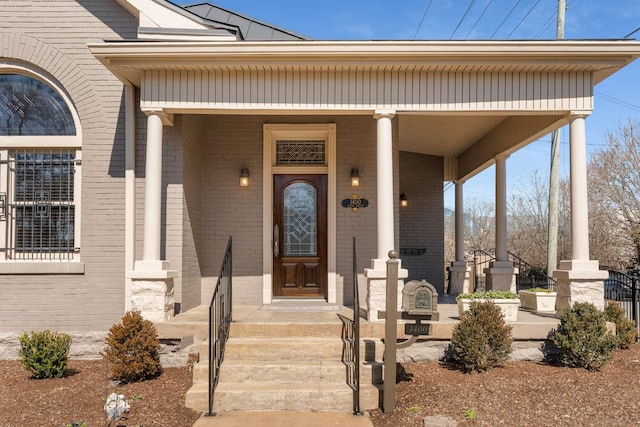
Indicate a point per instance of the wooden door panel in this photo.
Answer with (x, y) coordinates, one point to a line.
(300, 235)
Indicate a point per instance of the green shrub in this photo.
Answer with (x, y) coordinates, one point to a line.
(133, 349)
(481, 340)
(45, 353)
(582, 337)
(489, 295)
(626, 332)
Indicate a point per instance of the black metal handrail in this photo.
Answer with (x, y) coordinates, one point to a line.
(220, 318)
(528, 277)
(351, 340)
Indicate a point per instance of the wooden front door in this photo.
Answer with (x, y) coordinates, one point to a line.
(300, 236)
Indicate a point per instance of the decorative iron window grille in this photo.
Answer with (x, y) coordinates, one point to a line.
(300, 153)
(40, 206)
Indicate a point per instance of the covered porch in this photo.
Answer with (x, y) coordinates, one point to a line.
(465, 105)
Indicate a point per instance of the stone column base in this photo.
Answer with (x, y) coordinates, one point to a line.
(152, 290)
(459, 278)
(501, 276)
(579, 281)
(377, 288)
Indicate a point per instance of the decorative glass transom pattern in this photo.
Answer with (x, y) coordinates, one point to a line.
(300, 153)
(300, 220)
(30, 107)
(43, 203)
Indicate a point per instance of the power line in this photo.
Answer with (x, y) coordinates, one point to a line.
(523, 18)
(466, 12)
(548, 22)
(505, 19)
(632, 33)
(618, 101)
(478, 20)
(422, 20)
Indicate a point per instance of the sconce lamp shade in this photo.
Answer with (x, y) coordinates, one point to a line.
(403, 201)
(355, 177)
(244, 177)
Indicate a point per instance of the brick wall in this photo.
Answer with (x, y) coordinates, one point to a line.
(422, 222)
(50, 37)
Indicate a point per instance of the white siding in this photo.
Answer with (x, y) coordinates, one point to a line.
(367, 90)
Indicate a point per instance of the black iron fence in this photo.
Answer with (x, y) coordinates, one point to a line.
(623, 288)
(219, 320)
(351, 340)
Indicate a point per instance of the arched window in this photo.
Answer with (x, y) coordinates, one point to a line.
(39, 170)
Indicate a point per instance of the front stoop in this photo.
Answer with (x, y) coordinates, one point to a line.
(268, 366)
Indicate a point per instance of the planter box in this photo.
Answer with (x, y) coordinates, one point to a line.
(538, 301)
(509, 307)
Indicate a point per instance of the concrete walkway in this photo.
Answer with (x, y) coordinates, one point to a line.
(289, 419)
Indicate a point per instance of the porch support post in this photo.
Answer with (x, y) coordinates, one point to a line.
(385, 205)
(579, 279)
(459, 273)
(501, 274)
(152, 281)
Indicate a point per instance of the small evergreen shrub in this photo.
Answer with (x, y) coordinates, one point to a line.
(45, 353)
(133, 349)
(482, 340)
(582, 337)
(626, 332)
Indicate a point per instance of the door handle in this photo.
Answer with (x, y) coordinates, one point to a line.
(276, 241)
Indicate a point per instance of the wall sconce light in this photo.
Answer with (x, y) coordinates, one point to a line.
(403, 201)
(355, 177)
(244, 177)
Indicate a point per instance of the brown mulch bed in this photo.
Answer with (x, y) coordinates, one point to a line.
(79, 396)
(520, 394)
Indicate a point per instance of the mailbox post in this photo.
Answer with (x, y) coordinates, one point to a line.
(390, 335)
(419, 302)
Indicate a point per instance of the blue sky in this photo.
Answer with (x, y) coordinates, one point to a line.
(616, 99)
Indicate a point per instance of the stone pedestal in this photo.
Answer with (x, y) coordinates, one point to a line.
(501, 276)
(579, 281)
(377, 288)
(152, 290)
(459, 275)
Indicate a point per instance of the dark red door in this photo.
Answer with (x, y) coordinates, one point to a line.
(300, 236)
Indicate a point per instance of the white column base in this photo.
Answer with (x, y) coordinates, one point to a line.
(579, 281)
(501, 276)
(152, 290)
(377, 288)
(459, 278)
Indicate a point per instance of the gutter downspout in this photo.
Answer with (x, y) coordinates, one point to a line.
(130, 189)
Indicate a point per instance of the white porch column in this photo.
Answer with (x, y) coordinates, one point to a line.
(153, 189)
(384, 184)
(501, 274)
(152, 281)
(459, 273)
(579, 279)
(385, 204)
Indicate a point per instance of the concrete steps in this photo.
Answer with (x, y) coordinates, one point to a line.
(286, 366)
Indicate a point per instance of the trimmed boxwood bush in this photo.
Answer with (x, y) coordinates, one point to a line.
(133, 349)
(45, 353)
(482, 340)
(626, 332)
(582, 337)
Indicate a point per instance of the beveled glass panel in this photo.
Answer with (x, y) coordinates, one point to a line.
(30, 107)
(300, 220)
(300, 153)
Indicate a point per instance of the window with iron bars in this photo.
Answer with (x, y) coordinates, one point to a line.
(39, 204)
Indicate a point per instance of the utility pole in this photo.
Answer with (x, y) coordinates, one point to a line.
(554, 172)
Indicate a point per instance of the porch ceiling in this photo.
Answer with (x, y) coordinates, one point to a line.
(444, 135)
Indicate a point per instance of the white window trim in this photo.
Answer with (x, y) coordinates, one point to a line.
(271, 134)
(11, 142)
